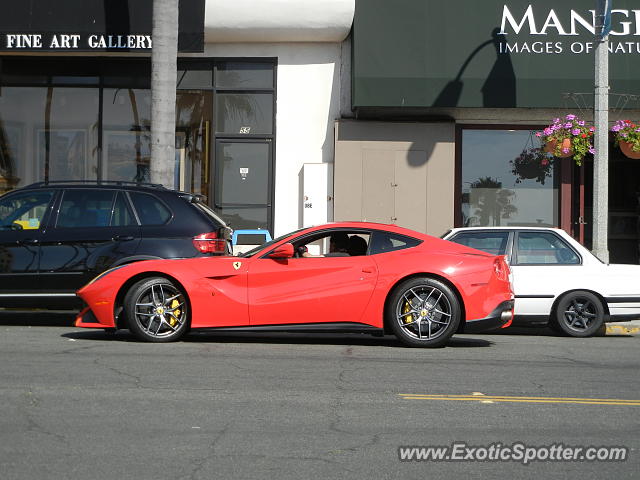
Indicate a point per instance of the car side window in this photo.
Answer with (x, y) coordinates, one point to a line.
(544, 248)
(85, 208)
(24, 211)
(122, 214)
(494, 243)
(340, 243)
(151, 211)
(383, 242)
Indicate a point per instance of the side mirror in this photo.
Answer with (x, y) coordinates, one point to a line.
(283, 251)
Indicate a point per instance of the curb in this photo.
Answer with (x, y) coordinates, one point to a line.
(624, 328)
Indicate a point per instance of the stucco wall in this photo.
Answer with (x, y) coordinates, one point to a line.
(308, 103)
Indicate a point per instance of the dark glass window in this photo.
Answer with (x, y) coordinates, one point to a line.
(151, 211)
(24, 211)
(243, 172)
(236, 75)
(544, 248)
(507, 180)
(244, 113)
(122, 215)
(494, 243)
(85, 208)
(383, 242)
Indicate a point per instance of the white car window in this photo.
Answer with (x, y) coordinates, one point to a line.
(544, 248)
(494, 243)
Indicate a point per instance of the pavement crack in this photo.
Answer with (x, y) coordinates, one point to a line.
(212, 447)
(137, 380)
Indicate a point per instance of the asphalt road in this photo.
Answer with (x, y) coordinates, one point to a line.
(79, 404)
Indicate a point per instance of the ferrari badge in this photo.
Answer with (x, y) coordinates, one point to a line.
(237, 265)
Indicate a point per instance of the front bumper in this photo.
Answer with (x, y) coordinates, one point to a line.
(500, 317)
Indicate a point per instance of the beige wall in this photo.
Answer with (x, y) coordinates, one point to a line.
(398, 172)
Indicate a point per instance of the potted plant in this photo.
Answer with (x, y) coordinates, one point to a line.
(568, 137)
(627, 137)
(532, 163)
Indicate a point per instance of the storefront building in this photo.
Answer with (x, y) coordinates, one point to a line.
(447, 96)
(258, 90)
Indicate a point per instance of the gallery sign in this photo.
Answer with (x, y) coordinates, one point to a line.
(93, 25)
(493, 54)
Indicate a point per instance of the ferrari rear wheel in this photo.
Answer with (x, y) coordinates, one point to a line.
(580, 314)
(157, 310)
(423, 312)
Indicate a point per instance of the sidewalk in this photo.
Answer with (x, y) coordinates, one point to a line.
(624, 328)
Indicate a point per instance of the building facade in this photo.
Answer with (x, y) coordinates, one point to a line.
(258, 90)
(447, 98)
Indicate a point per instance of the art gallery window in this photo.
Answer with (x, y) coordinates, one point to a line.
(67, 118)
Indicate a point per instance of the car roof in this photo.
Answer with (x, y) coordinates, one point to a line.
(508, 228)
(370, 226)
(94, 184)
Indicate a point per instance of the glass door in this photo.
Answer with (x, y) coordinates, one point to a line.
(242, 182)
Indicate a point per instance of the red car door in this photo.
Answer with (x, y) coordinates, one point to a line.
(310, 290)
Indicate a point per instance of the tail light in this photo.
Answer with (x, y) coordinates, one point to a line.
(210, 243)
(501, 267)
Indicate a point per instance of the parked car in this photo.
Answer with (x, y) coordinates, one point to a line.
(556, 280)
(56, 236)
(391, 279)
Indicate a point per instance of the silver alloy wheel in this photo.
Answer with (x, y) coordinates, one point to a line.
(579, 314)
(160, 310)
(424, 312)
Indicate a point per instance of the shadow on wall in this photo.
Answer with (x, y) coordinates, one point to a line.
(498, 90)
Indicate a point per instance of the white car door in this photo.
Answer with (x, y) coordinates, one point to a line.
(543, 265)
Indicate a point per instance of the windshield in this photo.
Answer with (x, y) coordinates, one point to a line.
(253, 251)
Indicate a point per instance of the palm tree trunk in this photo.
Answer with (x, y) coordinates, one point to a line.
(164, 54)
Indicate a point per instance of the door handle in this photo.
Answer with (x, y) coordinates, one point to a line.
(122, 238)
(368, 270)
(28, 241)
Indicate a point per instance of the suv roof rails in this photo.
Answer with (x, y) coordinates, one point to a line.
(95, 182)
(193, 197)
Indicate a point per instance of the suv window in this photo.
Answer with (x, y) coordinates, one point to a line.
(544, 248)
(151, 211)
(24, 211)
(122, 214)
(387, 242)
(85, 208)
(494, 243)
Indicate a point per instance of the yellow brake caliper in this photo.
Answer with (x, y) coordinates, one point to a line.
(406, 309)
(176, 312)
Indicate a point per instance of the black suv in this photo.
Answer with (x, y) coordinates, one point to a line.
(55, 237)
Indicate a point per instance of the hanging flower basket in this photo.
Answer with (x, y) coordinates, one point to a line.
(627, 149)
(568, 137)
(532, 163)
(565, 150)
(627, 137)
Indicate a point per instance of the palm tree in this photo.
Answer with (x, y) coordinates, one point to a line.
(164, 55)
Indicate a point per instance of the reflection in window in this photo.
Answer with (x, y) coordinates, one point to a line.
(244, 113)
(126, 140)
(507, 180)
(544, 248)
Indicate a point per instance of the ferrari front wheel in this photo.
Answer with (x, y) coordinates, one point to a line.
(157, 310)
(423, 312)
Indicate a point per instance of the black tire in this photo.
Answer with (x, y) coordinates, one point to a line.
(423, 312)
(579, 314)
(157, 310)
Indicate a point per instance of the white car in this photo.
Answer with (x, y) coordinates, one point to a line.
(557, 281)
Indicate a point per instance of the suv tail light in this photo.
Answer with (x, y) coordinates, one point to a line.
(210, 243)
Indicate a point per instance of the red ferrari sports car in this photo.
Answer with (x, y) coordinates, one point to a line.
(350, 276)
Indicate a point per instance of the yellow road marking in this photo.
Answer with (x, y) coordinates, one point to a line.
(499, 398)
